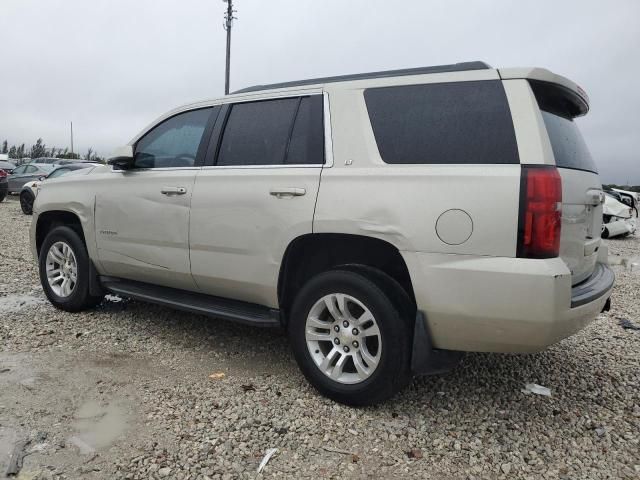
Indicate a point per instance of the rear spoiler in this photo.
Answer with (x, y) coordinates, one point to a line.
(552, 87)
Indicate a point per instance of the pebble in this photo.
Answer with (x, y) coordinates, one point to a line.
(470, 423)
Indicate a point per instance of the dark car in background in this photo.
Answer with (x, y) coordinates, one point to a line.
(8, 167)
(4, 188)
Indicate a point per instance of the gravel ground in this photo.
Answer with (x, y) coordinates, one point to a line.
(131, 390)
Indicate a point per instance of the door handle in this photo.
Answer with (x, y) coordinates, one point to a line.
(173, 190)
(287, 192)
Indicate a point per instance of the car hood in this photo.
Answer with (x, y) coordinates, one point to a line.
(615, 208)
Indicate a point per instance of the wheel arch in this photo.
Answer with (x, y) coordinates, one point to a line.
(55, 218)
(310, 254)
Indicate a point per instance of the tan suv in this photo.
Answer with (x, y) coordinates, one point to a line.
(388, 221)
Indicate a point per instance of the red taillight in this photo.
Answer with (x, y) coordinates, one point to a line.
(2, 173)
(540, 212)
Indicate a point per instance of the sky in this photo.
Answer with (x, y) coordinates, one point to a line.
(113, 66)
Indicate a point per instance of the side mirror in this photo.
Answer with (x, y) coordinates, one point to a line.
(41, 178)
(122, 158)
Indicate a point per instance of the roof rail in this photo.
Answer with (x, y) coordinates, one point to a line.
(456, 67)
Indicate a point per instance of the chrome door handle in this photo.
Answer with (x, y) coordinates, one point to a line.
(173, 190)
(287, 192)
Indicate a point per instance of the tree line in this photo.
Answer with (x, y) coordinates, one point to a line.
(39, 150)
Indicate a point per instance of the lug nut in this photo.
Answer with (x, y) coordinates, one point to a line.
(345, 324)
(346, 349)
(336, 328)
(355, 331)
(336, 341)
(355, 344)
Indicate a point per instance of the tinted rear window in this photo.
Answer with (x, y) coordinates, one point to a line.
(444, 123)
(306, 145)
(257, 133)
(569, 147)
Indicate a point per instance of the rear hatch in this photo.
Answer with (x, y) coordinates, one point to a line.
(582, 194)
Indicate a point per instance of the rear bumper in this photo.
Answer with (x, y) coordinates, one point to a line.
(598, 284)
(494, 304)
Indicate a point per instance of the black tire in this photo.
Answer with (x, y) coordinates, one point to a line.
(605, 233)
(393, 370)
(26, 202)
(80, 298)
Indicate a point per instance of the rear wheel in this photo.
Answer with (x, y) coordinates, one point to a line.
(349, 340)
(26, 202)
(65, 269)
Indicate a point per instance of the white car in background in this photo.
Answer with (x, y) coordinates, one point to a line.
(617, 218)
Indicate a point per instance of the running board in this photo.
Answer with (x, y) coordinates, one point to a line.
(223, 308)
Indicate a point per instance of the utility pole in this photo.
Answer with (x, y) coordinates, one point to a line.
(228, 21)
(71, 139)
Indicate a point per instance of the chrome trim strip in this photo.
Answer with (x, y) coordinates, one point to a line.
(162, 169)
(244, 167)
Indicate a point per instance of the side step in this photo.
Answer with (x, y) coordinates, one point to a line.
(223, 308)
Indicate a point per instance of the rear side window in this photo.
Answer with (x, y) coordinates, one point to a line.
(274, 132)
(307, 138)
(443, 123)
(257, 133)
(174, 143)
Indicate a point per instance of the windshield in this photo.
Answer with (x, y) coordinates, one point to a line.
(59, 172)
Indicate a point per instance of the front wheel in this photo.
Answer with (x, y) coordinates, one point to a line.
(65, 270)
(26, 202)
(349, 340)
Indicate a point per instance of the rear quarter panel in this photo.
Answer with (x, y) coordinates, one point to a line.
(401, 204)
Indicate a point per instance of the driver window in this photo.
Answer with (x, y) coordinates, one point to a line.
(174, 143)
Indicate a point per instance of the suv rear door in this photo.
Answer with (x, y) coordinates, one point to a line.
(255, 194)
(582, 194)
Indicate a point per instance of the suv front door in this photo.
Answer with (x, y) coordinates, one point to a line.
(142, 214)
(256, 193)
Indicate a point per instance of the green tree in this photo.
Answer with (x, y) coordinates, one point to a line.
(39, 149)
(4, 147)
(13, 152)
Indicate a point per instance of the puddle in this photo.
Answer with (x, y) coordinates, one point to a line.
(630, 263)
(98, 426)
(15, 303)
(8, 439)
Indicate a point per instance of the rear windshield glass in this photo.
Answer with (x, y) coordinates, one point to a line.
(443, 123)
(569, 148)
